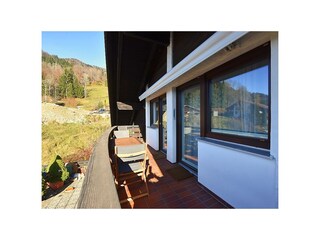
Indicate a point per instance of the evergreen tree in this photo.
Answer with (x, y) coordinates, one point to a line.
(78, 90)
(69, 85)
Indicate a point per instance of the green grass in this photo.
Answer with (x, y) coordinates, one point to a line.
(72, 141)
(95, 94)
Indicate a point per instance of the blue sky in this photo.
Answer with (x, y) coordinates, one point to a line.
(88, 47)
(256, 81)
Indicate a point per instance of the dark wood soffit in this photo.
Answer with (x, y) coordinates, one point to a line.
(111, 49)
(162, 38)
(119, 56)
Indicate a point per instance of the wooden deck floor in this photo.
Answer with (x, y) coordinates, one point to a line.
(166, 192)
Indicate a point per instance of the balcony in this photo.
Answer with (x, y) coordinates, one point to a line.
(99, 190)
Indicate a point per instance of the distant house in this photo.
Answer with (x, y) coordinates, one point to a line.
(173, 81)
(238, 109)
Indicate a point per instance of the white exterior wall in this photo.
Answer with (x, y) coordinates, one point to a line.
(242, 179)
(153, 137)
(171, 126)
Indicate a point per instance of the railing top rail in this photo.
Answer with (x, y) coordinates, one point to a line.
(98, 189)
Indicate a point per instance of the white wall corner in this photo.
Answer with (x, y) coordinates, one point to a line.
(152, 137)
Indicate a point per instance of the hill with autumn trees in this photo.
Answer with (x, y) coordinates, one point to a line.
(72, 91)
(64, 78)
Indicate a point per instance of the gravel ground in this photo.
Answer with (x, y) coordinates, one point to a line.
(53, 112)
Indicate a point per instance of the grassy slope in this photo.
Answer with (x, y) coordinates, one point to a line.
(96, 94)
(74, 141)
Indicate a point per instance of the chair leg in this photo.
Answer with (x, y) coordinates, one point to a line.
(131, 198)
(116, 183)
(145, 182)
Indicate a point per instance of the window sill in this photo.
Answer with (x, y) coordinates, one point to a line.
(237, 147)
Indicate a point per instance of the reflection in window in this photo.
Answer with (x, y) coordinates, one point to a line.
(190, 125)
(239, 102)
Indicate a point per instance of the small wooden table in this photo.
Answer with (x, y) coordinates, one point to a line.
(127, 141)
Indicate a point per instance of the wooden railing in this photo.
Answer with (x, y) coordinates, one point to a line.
(98, 189)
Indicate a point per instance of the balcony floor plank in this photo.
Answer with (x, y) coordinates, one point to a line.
(166, 192)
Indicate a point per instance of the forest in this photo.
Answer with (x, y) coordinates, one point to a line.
(67, 77)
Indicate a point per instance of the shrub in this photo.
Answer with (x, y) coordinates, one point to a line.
(71, 102)
(57, 171)
(100, 105)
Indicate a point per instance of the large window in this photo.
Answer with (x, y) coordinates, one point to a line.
(238, 99)
(229, 103)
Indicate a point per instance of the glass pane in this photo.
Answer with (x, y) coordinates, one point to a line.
(240, 102)
(190, 122)
(154, 112)
(164, 123)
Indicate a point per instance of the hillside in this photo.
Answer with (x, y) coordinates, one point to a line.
(71, 91)
(52, 67)
(68, 77)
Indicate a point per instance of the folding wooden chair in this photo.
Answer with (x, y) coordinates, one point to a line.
(121, 133)
(134, 131)
(131, 166)
(123, 127)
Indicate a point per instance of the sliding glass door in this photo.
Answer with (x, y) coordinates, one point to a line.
(189, 125)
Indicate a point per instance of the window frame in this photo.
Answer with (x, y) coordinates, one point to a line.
(152, 111)
(196, 81)
(260, 53)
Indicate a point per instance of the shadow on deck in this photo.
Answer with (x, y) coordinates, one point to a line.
(167, 192)
(99, 189)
